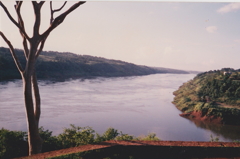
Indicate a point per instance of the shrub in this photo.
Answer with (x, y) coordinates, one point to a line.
(109, 134)
(214, 139)
(76, 136)
(125, 137)
(13, 143)
(50, 143)
(149, 137)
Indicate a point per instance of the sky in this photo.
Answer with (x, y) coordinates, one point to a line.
(199, 36)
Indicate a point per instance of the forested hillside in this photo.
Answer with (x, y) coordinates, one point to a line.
(68, 65)
(211, 96)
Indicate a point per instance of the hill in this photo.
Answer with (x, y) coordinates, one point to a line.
(55, 65)
(174, 71)
(212, 96)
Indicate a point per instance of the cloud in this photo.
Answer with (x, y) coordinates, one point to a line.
(211, 29)
(229, 8)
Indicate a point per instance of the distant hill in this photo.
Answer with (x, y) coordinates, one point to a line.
(174, 71)
(212, 96)
(55, 65)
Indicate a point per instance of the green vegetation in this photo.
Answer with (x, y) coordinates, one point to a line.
(213, 93)
(14, 143)
(214, 139)
(55, 65)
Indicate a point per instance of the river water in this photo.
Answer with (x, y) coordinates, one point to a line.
(134, 105)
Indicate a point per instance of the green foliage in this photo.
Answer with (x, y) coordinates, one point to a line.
(214, 139)
(13, 143)
(50, 143)
(236, 141)
(66, 65)
(209, 92)
(149, 137)
(217, 86)
(199, 106)
(125, 137)
(76, 136)
(109, 134)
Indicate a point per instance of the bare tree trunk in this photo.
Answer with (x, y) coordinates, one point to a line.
(32, 101)
(37, 111)
(34, 140)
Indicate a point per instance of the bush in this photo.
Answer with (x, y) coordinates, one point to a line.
(109, 134)
(76, 136)
(13, 143)
(149, 137)
(50, 143)
(125, 137)
(214, 139)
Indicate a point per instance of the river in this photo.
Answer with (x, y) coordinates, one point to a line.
(135, 105)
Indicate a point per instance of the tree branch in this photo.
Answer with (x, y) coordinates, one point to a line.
(8, 14)
(26, 50)
(15, 58)
(37, 10)
(61, 18)
(56, 10)
(21, 23)
(11, 18)
(20, 20)
(40, 48)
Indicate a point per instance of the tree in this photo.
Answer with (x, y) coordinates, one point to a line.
(32, 47)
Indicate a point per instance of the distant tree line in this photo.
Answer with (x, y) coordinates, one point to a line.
(55, 65)
(222, 85)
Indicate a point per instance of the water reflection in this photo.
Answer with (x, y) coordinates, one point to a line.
(229, 132)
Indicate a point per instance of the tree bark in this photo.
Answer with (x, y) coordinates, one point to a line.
(34, 139)
(32, 101)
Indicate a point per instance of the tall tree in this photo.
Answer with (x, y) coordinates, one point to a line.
(32, 47)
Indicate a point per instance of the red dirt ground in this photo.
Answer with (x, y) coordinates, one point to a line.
(144, 144)
(197, 115)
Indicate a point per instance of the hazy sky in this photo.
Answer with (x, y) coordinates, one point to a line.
(189, 36)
